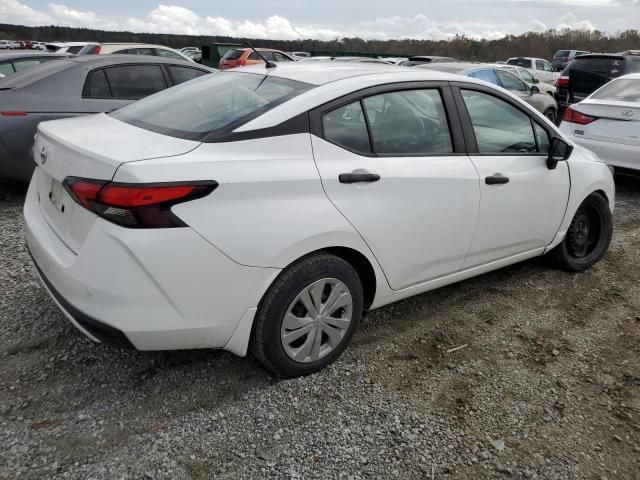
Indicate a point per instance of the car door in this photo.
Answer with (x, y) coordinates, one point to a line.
(393, 161)
(522, 201)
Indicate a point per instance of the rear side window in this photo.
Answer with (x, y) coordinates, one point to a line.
(99, 85)
(623, 90)
(488, 75)
(74, 50)
(6, 69)
(138, 51)
(24, 64)
(520, 62)
(499, 127)
(606, 66)
(346, 127)
(539, 65)
(212, 104)
(184, 74)
(511, 82)
(233, 55)
(135, 81)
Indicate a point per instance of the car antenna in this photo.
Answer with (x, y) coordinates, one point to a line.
(268, 63)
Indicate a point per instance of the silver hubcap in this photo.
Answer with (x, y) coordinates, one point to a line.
(317, 320)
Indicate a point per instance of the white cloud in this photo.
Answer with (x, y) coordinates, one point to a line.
(181, 20)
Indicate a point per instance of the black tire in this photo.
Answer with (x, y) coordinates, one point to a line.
(550, 113)
(266, 343)
(588, 236)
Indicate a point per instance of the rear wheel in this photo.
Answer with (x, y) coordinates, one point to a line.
(307, 316)
(588, 236)
(550, 113)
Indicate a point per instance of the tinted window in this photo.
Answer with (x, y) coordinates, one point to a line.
(74, 50)
(543, 138)
(6, 68)
(488, 75)
(606, 66)
(139, 51)
(280, 57)
(253, 56)
(526, 75)
(539, 65)
(99, 85)
(499, 127)
(135, 81)
(215, 103)
(24, 64)
(623, 90)
(561, 53)
(411, 122)
(634, 65)
(168, 54)
(233, 55)
(520, 62)
(346, 126)
(511, 82)
(184, 74)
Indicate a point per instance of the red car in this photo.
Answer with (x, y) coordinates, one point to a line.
(240, 57)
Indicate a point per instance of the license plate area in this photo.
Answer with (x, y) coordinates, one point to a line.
(56, 193)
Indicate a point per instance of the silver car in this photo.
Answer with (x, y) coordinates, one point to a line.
(72, 87)
(542, 102)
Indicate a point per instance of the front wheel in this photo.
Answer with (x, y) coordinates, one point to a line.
(588, 236)
(308, 316)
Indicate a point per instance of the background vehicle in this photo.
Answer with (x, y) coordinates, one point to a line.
(539, 68)
(607, 122)
(527, 77)
(497, 75)
(68, 47)
(562, 58)
(299, 55)
(134, 49)
(199, 199)
(14, 62)
(246, 56)
(422, 59)
(72, 87)
(589, 72)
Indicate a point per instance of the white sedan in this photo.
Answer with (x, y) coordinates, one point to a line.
(266, 208)
(608, 122)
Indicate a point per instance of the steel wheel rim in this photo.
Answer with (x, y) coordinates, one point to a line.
(317, 320)
(584, 232)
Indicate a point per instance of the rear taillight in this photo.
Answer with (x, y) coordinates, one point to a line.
(573, 116)
(97, 50)
(12, 113)
(562, 81)
(136, 205)
(242, 61)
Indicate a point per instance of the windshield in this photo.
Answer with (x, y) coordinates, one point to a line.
(520, 62)
(610, 67)
(212, 104)
(623, 90)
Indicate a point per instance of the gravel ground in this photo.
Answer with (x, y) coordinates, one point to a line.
(547, 387)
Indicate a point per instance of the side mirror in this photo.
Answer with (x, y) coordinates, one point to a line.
(534, 90)
(559, 151)
(535, 80)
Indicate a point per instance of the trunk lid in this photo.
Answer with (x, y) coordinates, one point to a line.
(617, 122)
(90, 147)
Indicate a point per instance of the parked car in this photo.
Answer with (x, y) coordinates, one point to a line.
(240, 57)
(589, 72)
(38, 45)
(562, 58)
(497, 75)
(527, 77)
(73, 87)
(14, 62)
(607, 122)
(8, 45)
(133, 49)
(266, 210)
(539, 68)
(422, 59)
(67, 47)
(299, 55)
(361, 60)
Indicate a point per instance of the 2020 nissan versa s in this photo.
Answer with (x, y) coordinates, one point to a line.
(268, 208)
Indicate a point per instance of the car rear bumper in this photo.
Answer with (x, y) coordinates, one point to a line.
(158, 289)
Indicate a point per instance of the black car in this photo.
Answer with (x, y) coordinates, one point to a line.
(586, 73)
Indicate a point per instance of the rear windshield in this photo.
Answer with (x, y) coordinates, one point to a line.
(622, 90)
(233, 55)
(210, 105)
(35, 74)
(610, 67)
(561, 53)
(520, 62)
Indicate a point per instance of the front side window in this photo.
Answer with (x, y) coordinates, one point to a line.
(499, 127)
(211, 104)
(346, 127)
(281, 57)
(184, 74)
(168, 54)
(547, 66)
(486, 74)
(135, 81)
(411, 122)
(511, 82)
(526, 75)
(539, 65)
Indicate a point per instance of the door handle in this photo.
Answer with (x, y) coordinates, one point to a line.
(496, 179)
(357, 177)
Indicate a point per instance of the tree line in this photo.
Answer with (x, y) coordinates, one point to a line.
(535, 44)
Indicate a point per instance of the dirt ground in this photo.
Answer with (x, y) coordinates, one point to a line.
(546, 385)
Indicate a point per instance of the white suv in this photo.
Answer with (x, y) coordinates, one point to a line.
(539, 68)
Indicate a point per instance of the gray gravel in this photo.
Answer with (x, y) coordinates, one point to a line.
(547, 386)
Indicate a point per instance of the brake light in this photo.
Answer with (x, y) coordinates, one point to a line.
(12, 113)
(562, 81)
(98, 50)
(242, 61)
(573, 116)
(136, 205)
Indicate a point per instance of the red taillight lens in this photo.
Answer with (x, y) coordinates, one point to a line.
(97, 50)
(12, 113)
(573, 116)
(242, 61)
(136, 205)
(562, 81)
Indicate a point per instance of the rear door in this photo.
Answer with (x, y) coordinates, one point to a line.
(392, 160)
(522, 201)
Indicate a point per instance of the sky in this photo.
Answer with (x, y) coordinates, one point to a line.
(329, 19)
